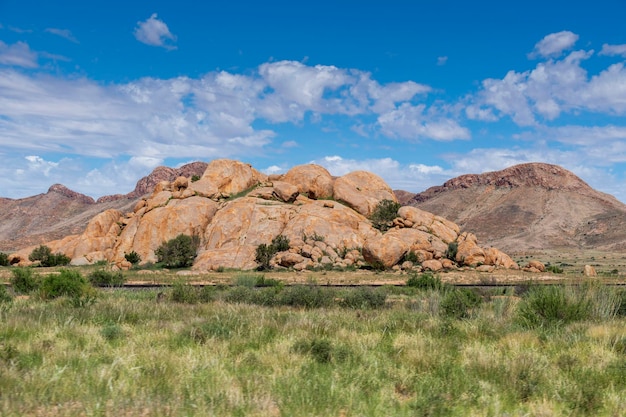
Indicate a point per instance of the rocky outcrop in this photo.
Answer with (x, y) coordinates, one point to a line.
(362, 191)
(72, 195)
(312, 180)
(233, 209)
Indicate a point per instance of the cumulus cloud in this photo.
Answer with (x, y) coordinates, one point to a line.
(153, 31)
(64, 33)
(413, 123)
(413, 177)
(612, 50)
(554, 44)
(17, 55)
(550, 89)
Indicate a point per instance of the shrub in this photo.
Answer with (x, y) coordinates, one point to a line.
(550, 305)
(458, 303)
(4, 259)
(411, 256)
(306, 296)
(195, 178)
(24, 280)
(66, 283)
(452, 250)
(44, 255)
(425, 281)
(178, 252)
(185, 293)
(364, 297)
(132, 257)
(264, 253)
(255, 280)
(384, 213)
(104, 278)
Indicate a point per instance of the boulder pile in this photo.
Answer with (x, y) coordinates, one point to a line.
(233, 208)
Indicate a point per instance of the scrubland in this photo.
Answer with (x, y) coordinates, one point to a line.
(258, 347)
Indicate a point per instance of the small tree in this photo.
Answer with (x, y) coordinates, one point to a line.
(41, 254)
(384, 213)
(178, 252)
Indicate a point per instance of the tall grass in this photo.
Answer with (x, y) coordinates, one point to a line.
(137, 353)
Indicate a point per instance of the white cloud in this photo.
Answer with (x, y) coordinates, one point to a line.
(550, 89)
(409, 177)
(155, 32)
(64, 33)
(554, 44)
(18, 55)
(413, 123)
(612, 50)
(442, 60)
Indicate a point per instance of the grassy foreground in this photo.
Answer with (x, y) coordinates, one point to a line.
(247, 351)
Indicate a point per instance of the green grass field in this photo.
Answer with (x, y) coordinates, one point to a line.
(253, 350)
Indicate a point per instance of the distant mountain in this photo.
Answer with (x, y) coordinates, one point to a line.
(529, 206)
(61, 212)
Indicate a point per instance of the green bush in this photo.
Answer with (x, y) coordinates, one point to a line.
(4, 259)
(178, 252)
(66, 283)
(364, 298)
(384, 213)
(44, 255)
(24, 280)
(425, 281)
(185, 293)
(132, 257)
(306, 296)
(551, 305)
(104, 278)
(459, 302)
(255, 280)
(195, 178)
(264, 252)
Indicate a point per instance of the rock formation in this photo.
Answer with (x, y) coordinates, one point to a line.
(234, 208)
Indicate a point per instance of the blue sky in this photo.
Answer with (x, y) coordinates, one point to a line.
(96, 94)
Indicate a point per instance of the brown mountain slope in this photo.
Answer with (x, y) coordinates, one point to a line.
(61, 211)
(530, 206)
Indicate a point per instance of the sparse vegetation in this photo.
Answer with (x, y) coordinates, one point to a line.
(384, 214)
(195, 178)
(178, 252)
(43, 254)
(4, 259)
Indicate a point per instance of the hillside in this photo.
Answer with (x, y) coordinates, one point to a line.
(61, 212)
(530, 206)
